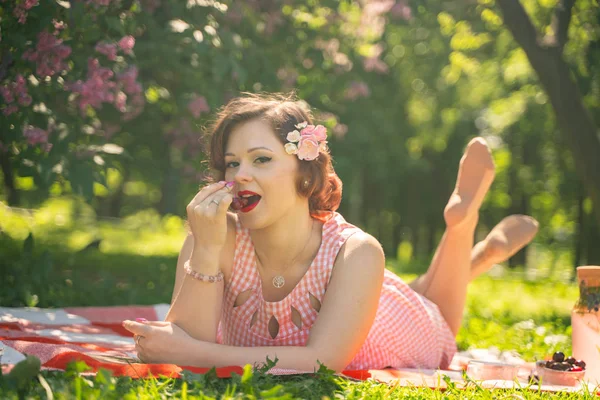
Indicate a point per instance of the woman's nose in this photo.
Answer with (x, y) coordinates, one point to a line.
(242, 175)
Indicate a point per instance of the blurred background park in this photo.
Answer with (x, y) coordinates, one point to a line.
(103, 103)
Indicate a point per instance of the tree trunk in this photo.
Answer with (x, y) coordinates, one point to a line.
(574, 120)
(579, 229)
(12, 194)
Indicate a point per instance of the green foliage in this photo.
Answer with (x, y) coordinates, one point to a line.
(401, 90)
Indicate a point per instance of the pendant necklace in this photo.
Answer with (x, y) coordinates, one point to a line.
(279, 280)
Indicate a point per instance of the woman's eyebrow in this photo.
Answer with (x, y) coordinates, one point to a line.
(251, 150)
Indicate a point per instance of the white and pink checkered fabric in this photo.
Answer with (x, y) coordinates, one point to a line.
(408, 332)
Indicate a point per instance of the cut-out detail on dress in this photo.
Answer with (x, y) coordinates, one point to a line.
(314, 302)
(242, 298)
(296, 317)
(273, 327)
(254, 318)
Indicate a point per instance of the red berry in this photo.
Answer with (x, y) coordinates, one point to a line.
(575, 369)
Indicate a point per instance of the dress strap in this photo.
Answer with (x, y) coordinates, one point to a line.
(335, 233)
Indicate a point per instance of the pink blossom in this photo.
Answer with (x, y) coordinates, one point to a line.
(356, 90)
(121, 101)
(20, 10)
(97, 89)
(378, 7)
(15, 90)
(126, 44)
(317, 133)
(375, 64)
(35, 135)
(401, 10)
(58, 25)
(12, 108)
(128, 80)
(7, 94)
(101, 86)
(25, 100)
(108, 49)
(49, 55)
(308, 148)
(198, 105)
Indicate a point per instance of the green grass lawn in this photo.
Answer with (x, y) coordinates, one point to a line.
(133, 262)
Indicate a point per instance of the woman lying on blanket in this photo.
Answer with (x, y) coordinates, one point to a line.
(270, 269)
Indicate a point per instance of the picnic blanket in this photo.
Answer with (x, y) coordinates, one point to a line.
(95, 335)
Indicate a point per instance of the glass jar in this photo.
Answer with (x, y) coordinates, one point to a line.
(585, 322)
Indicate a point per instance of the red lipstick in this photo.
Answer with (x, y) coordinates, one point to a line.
(249, 202)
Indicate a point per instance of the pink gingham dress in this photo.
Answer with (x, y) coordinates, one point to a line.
(408, 332)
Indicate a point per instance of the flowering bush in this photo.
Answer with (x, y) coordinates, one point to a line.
(87, 85)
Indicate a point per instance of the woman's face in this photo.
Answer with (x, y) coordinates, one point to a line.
(256, 161)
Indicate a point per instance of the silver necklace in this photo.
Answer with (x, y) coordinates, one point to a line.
(279, 280)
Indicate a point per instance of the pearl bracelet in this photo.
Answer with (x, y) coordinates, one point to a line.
(200, 276)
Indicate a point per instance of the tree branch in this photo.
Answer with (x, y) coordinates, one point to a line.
(561, 21)
(518, 23)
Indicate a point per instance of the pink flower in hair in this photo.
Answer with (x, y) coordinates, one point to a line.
(308, 148)
(318, 132)
(308, 142)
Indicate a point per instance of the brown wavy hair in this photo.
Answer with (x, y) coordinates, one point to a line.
(283, 112)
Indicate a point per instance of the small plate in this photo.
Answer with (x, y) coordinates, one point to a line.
(488, 370)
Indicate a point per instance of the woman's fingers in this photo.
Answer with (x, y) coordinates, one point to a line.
(214, 201)
(137, 328)
(206, 191)
(224, 203)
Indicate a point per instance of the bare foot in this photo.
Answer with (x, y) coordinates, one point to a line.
(505, 239)
(475, 175)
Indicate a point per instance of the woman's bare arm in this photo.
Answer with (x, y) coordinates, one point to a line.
(195, 305)
(344, 321)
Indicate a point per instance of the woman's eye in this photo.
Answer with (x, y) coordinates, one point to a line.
(262, 160)
(232, 164)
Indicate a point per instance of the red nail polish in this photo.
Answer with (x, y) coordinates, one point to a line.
(141, 320)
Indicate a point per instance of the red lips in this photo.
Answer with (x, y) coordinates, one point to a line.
(247, 203)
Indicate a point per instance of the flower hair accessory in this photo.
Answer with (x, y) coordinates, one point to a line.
(307, 141)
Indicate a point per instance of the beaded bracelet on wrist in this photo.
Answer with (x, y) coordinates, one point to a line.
(200, 276)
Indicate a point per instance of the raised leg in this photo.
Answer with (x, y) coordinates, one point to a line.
(509, 236)
(451, 264)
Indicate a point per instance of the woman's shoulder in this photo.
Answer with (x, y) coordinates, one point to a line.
(359, 245)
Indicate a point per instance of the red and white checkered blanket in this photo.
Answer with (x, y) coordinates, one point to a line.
(95, 335)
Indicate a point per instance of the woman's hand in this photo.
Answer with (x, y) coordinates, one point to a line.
(207, 216)
(159, 342)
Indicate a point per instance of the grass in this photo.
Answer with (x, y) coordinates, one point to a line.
(132, 261)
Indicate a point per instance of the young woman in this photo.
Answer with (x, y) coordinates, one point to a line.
(270, 269)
